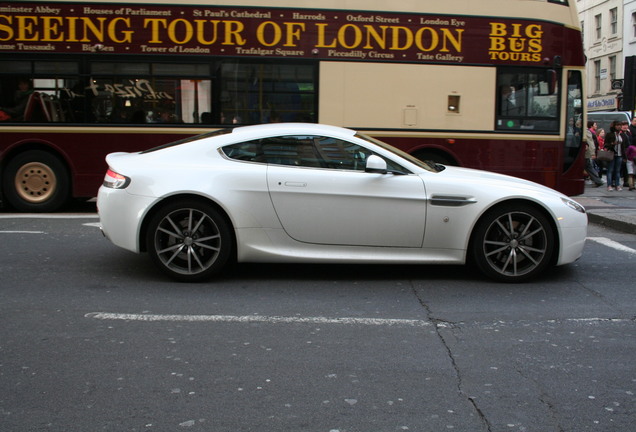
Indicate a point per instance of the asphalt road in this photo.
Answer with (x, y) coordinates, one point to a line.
(92, 338)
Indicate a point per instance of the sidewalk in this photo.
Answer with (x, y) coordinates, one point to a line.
(616, 210)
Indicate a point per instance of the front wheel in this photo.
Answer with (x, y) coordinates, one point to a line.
(190, 241)
(513, 243)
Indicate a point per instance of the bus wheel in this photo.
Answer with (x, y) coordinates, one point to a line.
(513, 243)
(189, 240)
(36, 181)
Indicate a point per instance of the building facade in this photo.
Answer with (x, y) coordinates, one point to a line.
(606, 41)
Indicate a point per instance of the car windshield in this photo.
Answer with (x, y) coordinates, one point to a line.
(429, 166)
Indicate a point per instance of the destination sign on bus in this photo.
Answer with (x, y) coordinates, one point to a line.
(279, 32)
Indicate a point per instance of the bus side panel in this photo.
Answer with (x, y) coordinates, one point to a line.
(398, 96)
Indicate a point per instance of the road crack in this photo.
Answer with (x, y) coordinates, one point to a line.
(439, 325)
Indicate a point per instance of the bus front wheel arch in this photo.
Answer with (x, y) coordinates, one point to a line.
(36, 181)
(436, 156)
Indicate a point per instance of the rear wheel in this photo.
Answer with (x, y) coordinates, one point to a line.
(36, 181)
(513, 243)
(189, 240)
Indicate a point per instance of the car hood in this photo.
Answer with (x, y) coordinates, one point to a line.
(477, 179)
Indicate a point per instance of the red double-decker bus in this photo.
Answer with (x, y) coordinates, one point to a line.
(490, 85)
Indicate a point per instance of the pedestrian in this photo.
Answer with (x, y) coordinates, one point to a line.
(626, 133)
(614, 143)
(600, 136)
(590, 153)
(630, 154)
(632, 127)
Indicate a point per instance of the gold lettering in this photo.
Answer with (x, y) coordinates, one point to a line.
(534, 31)
(126, 35)
(201, 31)
(497, 44)
(517, 44)
(233, 31)
(154, 28)
(276, 33)
(379, 39)
(535, 46)
(6, 28)
(342, 36)
(187, 27)
(498, 29)
(419, 40)
(97, 32)
(25, 29)
(449, 37)
(321, 37)
(51, 31)
(408, 38)
(293, 33)
(71, 35)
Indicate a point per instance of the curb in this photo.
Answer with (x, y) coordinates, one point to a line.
(618, 225)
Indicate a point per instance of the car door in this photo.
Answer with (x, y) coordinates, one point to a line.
(322, 195)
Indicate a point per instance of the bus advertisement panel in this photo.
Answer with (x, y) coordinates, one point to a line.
(261, 32)
(80, 80)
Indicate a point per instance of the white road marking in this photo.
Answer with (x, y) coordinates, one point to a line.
(612, 244)
(22, 232)
(259, 318)
(49, 216)
(108, 316)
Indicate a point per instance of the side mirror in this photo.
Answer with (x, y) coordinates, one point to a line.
(375, 164)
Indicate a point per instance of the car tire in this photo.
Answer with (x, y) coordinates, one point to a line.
(189, 240)
(36, 181)
(513, 243)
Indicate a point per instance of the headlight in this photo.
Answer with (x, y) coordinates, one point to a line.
(115, 180)
(573, 205)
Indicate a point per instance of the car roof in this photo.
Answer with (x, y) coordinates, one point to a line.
(291, 129)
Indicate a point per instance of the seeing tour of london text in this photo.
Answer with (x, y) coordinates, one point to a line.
(262, 32)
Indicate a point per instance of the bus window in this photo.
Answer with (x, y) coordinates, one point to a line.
(254, 93)
(527, 100)
(37, 91)
(138, 93)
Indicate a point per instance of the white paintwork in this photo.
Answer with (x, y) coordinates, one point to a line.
(294, 214)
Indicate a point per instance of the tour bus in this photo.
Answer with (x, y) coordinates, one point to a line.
(483, 84)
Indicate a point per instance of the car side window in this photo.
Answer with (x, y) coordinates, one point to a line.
(248, 151)
(315, 152)
(304, 151)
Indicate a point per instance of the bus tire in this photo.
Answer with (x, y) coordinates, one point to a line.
(36, 181)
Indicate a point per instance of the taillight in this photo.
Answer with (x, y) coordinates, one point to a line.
(115, 180)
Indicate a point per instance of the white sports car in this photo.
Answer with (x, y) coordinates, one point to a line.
(313, 193)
